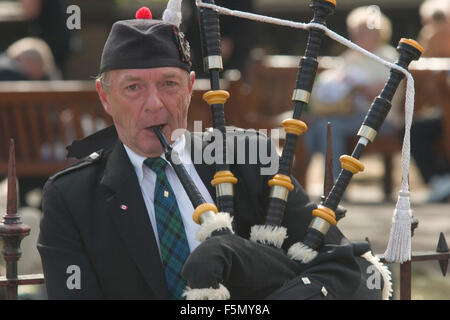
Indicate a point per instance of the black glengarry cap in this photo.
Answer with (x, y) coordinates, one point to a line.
(145, 43)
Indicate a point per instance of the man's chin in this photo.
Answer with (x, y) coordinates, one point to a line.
(153, 151)
(151, 147)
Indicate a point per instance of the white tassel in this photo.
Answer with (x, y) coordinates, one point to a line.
(399, 246)
(172, 14)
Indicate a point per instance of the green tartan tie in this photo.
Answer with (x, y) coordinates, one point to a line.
(172, 237)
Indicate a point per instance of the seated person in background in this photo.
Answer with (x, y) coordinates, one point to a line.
(427, 128)
(25, 60)
(342, 95)
(28, 59)
(435, 33)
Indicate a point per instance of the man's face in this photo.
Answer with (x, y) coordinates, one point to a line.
(138, 99)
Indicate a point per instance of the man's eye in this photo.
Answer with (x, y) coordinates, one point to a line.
(169, 83)
(132, 87)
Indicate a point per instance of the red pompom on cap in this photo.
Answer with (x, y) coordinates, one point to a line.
(143, 13)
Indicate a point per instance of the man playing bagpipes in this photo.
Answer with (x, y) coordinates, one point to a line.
(122, 216)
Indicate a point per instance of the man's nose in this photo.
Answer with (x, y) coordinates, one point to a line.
(153, 102)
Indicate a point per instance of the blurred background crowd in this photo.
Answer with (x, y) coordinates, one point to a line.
(77, 52)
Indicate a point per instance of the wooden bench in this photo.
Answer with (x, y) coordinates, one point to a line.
(44, 117)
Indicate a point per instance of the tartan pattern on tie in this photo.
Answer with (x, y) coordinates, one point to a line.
(172, 237)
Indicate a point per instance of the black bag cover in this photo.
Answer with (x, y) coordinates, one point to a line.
(251, 270)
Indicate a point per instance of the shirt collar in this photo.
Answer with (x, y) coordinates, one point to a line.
(138, 161)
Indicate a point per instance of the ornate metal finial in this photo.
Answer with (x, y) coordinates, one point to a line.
(414, 225)
(12, 230)
(442, 247)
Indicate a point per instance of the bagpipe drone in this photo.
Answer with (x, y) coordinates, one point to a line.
(226, 265)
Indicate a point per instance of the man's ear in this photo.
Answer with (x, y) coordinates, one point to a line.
(104, 98)
(190, 87)
(191, 81)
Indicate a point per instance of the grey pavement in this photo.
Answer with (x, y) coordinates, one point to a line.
(374, 222)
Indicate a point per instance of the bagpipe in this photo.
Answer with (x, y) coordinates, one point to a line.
(226, 265)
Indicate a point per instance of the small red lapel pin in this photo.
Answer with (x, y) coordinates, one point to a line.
(123, 207)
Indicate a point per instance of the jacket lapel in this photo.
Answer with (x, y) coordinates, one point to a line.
(133, 223)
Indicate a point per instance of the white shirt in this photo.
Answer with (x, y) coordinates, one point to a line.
(147, 178)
